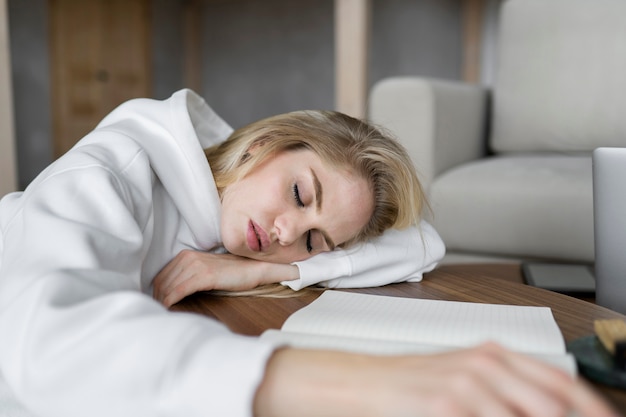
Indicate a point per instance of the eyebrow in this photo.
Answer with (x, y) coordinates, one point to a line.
(318, 205)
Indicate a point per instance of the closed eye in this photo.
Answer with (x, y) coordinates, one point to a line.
(296, 196)
(300, 203)
(309, 247)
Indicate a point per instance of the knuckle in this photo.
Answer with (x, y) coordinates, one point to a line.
(485, 361)
(185, 254)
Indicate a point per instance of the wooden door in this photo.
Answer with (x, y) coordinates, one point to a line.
(100, 57)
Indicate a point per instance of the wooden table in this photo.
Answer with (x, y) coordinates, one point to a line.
(495, 284)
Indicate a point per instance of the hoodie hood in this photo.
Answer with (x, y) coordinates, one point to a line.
(173, 133)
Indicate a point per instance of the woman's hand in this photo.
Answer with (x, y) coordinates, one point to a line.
(192, 271)
(487, 381)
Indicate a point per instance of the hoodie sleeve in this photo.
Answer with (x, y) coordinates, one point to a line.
(396, 256)
(79, 338)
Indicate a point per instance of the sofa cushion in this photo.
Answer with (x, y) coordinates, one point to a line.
(560, 76)
(523, 205)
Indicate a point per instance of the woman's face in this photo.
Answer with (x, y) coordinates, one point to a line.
(293, 206)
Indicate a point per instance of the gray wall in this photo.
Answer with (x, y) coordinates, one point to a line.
(416, 37)
(31, 87)
(259, 58)
(167, 54)
(264, 58)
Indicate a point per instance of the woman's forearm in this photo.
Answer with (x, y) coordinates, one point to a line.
(192, 271)
(484, 381)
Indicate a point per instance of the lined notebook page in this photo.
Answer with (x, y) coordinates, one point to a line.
(429, 322)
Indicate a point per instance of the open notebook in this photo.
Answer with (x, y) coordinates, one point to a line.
(393, 325)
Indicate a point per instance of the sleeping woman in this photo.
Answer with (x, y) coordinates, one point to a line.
(163, 199)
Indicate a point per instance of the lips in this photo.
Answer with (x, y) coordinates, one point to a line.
(256, 238)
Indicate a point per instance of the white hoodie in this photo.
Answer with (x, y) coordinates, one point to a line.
(80, 334)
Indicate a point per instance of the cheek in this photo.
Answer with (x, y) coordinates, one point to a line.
(228, 235)
(232, 223)
(226, 213)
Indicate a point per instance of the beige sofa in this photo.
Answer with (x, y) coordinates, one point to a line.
(508, 169)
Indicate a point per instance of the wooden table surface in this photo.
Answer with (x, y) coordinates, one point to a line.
(493, 283)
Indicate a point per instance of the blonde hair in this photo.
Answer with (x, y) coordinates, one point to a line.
(340, 141)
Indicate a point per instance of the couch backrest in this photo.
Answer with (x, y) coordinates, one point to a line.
(560, 76)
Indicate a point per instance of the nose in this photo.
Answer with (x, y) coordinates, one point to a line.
(289, 227)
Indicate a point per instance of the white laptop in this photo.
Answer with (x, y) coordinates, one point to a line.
(609, 206)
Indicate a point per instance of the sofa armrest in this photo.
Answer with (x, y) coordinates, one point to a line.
(441, 123)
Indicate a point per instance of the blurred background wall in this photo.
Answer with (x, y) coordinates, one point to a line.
(252, 58)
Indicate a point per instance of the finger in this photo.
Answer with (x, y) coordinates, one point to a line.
(185, 287)
(173, 273)
(557, 388)
(161, 278)
(175, 285)
(515, 388)
(588, 403)
(452, 384)
(475, 395)
(178, 269)
(174, 295)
